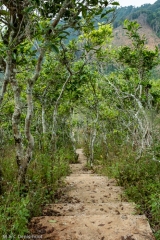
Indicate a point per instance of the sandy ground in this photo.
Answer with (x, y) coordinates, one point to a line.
(90, 208)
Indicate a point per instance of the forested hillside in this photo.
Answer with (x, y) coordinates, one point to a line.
(147, 16)
(152, 39)
(151, 11)
(59, 93)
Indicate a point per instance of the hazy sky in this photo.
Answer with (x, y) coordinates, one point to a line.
(135, 3)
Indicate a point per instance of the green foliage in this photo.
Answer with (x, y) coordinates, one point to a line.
(141, 181)
(138, 62)
(155, 91)
(48, 170)
(14, 214)
(138, 56)
(19, 205)
(97, 37)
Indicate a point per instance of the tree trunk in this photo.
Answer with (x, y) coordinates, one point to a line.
(16, 121)
(93, 138)
(55, 112)
(30, 140)
(43, 120)
(23, 157)
(6, 76)
(92, 141)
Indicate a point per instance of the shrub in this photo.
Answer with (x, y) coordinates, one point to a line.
(141, 181)
(19, 204)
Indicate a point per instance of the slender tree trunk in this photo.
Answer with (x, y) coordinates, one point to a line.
(92, 141)
(72, 134)
(55, 113)
(6, 76)
(43, 120)
(16, 121)
(93, 138)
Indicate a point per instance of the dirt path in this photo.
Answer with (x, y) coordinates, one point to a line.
(91, 209)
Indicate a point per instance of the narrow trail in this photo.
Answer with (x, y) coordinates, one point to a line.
(91, 209)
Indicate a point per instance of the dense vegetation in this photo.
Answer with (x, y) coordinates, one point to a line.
(59, 93)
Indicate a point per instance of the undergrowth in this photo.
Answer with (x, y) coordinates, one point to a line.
(140, 179)
(19, 205)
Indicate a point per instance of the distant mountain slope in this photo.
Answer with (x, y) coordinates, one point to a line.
(148, 15)
(152, 12)
(120, 37)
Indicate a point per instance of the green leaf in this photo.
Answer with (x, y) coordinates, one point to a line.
(55, 48)
(104, 14)
(65, 32)
(3, 12)
(14, 56)
(52, 221)
(84, 12)
(38, 2)
(115, 3)
(29, 9)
